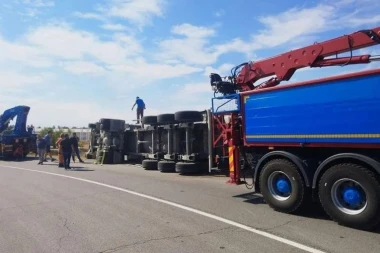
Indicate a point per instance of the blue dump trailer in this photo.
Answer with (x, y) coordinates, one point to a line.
(342, 111)
(316, 141)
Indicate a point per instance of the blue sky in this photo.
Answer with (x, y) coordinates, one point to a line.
(74, 62)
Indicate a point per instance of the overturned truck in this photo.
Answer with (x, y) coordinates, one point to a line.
(178, 142)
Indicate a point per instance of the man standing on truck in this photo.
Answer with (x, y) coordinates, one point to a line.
(140, 108)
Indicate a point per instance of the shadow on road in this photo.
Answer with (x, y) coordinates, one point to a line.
(251, 198)
(25, 159)
(312, 211)
(80, 169)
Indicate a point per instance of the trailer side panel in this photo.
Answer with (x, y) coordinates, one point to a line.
(341, 111)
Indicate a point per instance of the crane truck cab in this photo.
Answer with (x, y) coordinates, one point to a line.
(16, 142)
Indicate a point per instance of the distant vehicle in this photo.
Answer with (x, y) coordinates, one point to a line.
(17, 142)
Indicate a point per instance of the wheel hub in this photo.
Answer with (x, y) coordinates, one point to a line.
(348, 196)
(279, 186)
(283, 185)
(352, 196)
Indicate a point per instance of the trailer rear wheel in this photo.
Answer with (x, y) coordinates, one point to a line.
(167, 118)
(166, 166)
(149, 120)
(149, 164)
(105, 124)
(188, 116)
(349, 194)
(187, 168)
(282, 186)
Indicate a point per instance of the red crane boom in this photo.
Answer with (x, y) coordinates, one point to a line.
(284, 65)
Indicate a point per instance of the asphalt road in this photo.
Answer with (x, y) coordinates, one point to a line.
(42, 212)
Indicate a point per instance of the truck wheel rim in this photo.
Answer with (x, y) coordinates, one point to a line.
(349, 196)
(279, 185)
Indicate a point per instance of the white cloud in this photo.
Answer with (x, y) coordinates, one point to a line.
(89, 15)
(20, 53)
(195, 46)
(118, 60)
(150, 72)
(38, 3)
(7, 6)
(32, 8)
(83, 67)
(138, 12)
(191, 31)
(222, 70)
(56, 41)
(114, 27)
(57, 112)
(12, 81)
(31, 12)
(192, 49)
(196, 88)
(355, 22)
(280, 29)
(219, 13)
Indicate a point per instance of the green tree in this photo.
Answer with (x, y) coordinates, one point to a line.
(55, 135)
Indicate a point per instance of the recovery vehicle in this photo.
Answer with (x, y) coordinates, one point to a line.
(311, 141)
(18, 142)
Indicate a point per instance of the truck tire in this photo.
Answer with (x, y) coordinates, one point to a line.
(105, 124)
(282, 186)
(149, 164)
(167, 118)
(188, 116)
(166, 166)
(102, 120)
(149, 120)
(349, 194)
(187, 168)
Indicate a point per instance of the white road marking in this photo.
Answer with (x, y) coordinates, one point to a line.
(193, 210)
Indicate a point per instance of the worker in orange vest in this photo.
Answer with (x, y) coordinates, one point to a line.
(60, 154)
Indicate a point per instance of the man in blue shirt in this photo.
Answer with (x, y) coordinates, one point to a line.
(140, 108)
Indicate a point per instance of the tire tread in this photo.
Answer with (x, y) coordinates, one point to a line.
(281, 160)
(369, 173)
